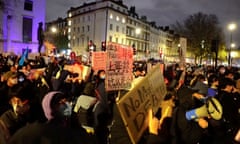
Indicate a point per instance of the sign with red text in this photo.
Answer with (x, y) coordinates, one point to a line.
(99, 60)
(119, 67)
(134, 106)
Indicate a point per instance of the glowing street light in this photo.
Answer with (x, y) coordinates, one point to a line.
(231, 28)
(53, 29)
(233, 45)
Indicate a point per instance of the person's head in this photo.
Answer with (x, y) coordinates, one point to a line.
(226, 84)
(19, 100)
(56, 106)
(11, 78)
(221, 70)
(138, 71)
(229, 74)
(213, 80)
(101, 74)
(40, 24)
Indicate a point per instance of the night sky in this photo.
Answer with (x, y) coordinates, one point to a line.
(167, 12)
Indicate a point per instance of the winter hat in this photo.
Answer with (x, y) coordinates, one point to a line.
(49, 100)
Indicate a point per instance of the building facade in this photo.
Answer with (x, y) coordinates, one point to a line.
(19, 21)
(112, 21)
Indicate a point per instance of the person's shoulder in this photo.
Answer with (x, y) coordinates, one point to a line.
(31, 131)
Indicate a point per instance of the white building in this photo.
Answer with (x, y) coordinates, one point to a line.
(19, 23)
(101, 21)
(111, 21)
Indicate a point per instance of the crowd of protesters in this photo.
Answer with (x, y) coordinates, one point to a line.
(45, 103)
(213, 93)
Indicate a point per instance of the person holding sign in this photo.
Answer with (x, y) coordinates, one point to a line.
(101, 109)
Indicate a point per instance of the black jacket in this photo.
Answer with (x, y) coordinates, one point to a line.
(51, 133)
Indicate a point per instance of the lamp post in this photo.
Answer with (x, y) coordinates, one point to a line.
(231, 28)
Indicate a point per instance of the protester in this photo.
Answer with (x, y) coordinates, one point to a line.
(231, 107)
(101, 111)
(9, 80)
(60, 127)
(18, 115)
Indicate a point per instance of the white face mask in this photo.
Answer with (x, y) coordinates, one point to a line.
(222, 71)
(102, 77)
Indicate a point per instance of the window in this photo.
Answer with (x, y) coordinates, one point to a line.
(117, 28)
(27, 29)
(83, 19)
(89, 18)
(111, 16)
(87, 39)
(28, 5)
(111, 26)
(88, 28)
(82, 41)
(78, 41)
(116, 40)
(83, 29)
(110, 38)
(123, 30)
(69, 23)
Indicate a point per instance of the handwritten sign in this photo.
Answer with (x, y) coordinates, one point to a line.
(119, 67)
(99, 61)
(134, 106)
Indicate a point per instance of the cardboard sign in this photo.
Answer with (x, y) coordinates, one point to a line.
(134, 106)
(99, 61)
(119, 67)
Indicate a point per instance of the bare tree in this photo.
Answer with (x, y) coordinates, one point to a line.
(200, 29)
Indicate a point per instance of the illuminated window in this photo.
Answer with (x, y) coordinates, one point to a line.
(111, 16)
(69, 30)
(28, 5)
(27, 29)
(117, 18)
(69, 23)
(70, 15)
(123, 20)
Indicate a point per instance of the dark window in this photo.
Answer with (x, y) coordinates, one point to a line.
(27, 29)
(28, 5)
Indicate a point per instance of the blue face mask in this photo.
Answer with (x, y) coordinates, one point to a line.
(65, 109)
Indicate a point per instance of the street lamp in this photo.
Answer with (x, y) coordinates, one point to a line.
(231, 28)
(53, 29)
